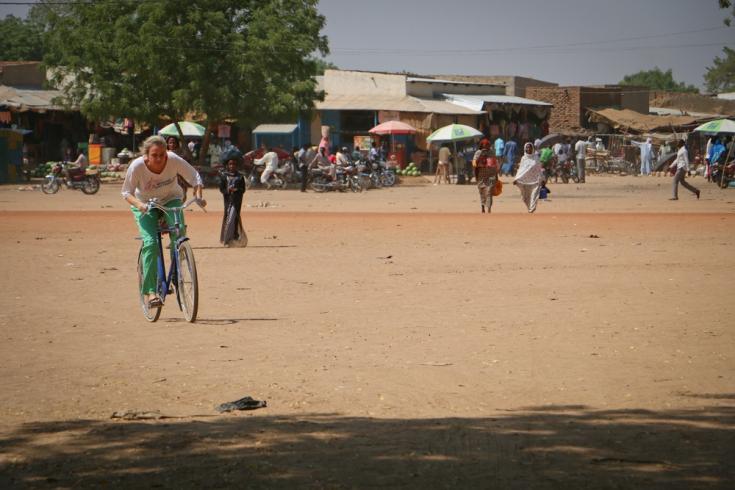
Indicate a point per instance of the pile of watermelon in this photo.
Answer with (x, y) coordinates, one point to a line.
(410, 170)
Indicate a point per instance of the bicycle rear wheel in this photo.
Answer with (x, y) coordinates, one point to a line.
(187, 287)
(150, 314)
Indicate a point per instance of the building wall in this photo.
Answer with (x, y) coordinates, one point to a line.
(430, 90)
(617, 97)
(22, 74)
(635, 99)
(598, 97)
(566, 115)
(340, 82)
(513, 85)
(519, 85)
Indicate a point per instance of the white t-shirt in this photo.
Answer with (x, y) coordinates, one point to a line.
(270, 160)
(581, 148)
(682, 159)
(145, 185)
(561, 150)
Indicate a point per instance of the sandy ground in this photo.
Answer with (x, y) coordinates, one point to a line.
(400, 338)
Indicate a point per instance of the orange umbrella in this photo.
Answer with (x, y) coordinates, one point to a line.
(393, 127)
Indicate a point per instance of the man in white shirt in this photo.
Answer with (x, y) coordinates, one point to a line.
(270, 160)
(681, 163)
(580, 148)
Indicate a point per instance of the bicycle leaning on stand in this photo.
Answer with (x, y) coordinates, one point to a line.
(182, 274)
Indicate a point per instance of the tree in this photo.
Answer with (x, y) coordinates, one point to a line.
(252, 60)
(322, 65)
(721, 76)
(726, 4)
(20, 40)
(657, 79)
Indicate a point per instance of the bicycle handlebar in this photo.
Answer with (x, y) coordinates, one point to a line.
(153, 204)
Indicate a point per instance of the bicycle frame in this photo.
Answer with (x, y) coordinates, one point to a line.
(166, 281)
(165, 285)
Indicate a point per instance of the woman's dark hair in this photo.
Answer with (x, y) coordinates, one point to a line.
(681, 143)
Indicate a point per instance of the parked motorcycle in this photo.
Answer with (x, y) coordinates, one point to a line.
(380, 174)
(729, 176)
(347, 178)
(88, 181)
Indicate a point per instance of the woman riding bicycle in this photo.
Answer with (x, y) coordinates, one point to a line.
(153, 176)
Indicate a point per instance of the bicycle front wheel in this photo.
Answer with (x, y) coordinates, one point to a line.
(187, 287)
(150, 314)
(50, 186)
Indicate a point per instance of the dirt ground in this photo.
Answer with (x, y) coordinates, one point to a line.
(400, 338)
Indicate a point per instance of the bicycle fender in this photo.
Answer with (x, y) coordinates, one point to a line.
(181, 240)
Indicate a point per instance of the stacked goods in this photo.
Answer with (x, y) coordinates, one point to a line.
(410, 170)
(43, 169)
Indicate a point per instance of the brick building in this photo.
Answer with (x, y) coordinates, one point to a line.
(571, 103)
(514, 85)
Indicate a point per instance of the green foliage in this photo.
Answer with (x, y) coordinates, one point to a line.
(721, 76)
(322, 65)
(657, 79)
(20, 40)
(726, 4)
(246, 59)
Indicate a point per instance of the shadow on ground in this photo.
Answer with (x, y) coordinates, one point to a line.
(537, 447)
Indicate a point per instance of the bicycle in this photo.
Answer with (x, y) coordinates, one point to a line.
(182, 274)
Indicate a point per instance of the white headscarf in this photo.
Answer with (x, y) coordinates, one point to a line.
(530, 170)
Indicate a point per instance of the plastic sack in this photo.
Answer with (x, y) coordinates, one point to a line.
(497, 188)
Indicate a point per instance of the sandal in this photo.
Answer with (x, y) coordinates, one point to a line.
(155, 302)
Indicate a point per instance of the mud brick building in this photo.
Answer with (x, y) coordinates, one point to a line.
(571, 104)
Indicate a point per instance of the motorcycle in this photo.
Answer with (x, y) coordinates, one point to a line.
(88, 181)
(347, 178)
(380, 175)
(717, 174)
(566, 170)
(278, 179)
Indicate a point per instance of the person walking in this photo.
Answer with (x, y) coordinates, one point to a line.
(486, 174)
(529, 177)
(511, 148)
(442, 169)
(681, 165)
(303, 157)
(580, 148)
(499, 149)
(232, 187)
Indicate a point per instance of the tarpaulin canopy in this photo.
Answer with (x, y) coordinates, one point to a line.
(633, 121)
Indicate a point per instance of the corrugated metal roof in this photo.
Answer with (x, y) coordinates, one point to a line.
(29, 99)
(402, 104)
(275, 129)
(665, 111)
(453, 82)
(476, 102)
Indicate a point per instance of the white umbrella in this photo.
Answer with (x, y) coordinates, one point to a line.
(451, 134)
(188, 128)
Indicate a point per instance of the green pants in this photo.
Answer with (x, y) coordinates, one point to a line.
(148, 227)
